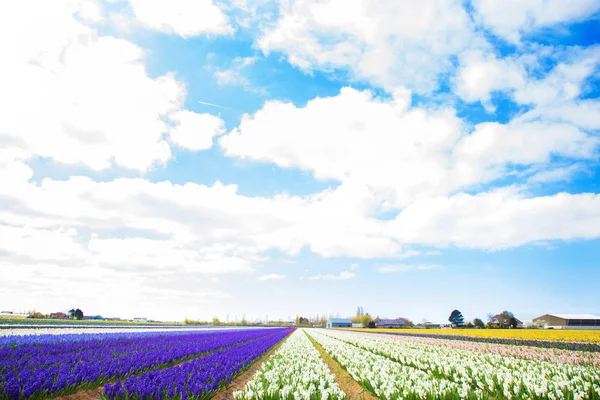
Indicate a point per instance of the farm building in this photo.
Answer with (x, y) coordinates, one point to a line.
(569, 321)
(390, 323)
(339, 323)
(10, 314)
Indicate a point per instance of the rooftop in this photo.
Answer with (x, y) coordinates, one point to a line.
(576, 316)
(344, 320)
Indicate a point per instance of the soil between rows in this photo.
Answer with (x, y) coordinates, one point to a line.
(344, 380)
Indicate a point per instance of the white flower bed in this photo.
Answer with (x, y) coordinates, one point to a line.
(388, 379)
(295, 371)
(493, 374)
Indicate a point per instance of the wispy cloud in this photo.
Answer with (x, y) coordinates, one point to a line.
(272, 277)
(386, 269)
(210, 104)
(342, 276)
(235, 75)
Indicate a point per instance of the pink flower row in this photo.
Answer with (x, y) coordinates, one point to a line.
(584, 358)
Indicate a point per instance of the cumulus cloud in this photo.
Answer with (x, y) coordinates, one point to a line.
(512, 18)
(78, 98)
(482, 74)
(195, 131)
(390, 43)
(186, 18)
(342, 276)
(401, 154)
(498, 219)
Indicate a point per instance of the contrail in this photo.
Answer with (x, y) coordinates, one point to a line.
(211, 104)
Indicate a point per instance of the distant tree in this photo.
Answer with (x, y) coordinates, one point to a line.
(456, 318)
(244, 322)
(407, 322)
(365, 320)
(540, 323)
(78, 314)
(478, 323)
(372, 324)
(506, 319)
(215, 321)
(72, 313)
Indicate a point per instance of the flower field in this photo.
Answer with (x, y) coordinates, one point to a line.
(34, 336)
(295, 371)
(196, 379)
(197, 364)
(552, 355)
(399, 369)
(39, 370)
(560, 335)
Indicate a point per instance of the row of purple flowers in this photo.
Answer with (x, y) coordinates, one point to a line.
(579, 346)
(195, 379)
(37, 371)
(35, 339)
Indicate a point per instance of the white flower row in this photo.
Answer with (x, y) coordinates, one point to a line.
(493, 374)
(295, 371)
(388, 379)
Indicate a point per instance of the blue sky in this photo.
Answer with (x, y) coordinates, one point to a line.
(248, 157)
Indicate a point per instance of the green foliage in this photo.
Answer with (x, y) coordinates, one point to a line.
(216, 321)
(365, 320)
(478, 323)
(456, 318)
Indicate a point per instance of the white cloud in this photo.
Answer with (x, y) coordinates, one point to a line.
(236, 75)
(272, 277)
(557, 174)
(75, 97)
(406, 268)
(195, 131)
(390, 43)
(499, 219)
(186, 18)
(342, 276)
(400, 154)
(564, 83)
(510, 19)
(481, 75)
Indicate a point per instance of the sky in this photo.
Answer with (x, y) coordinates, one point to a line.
(175, 159)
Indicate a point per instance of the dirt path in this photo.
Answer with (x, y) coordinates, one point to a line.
(345, 381)
(240, 382)
(91, 394)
